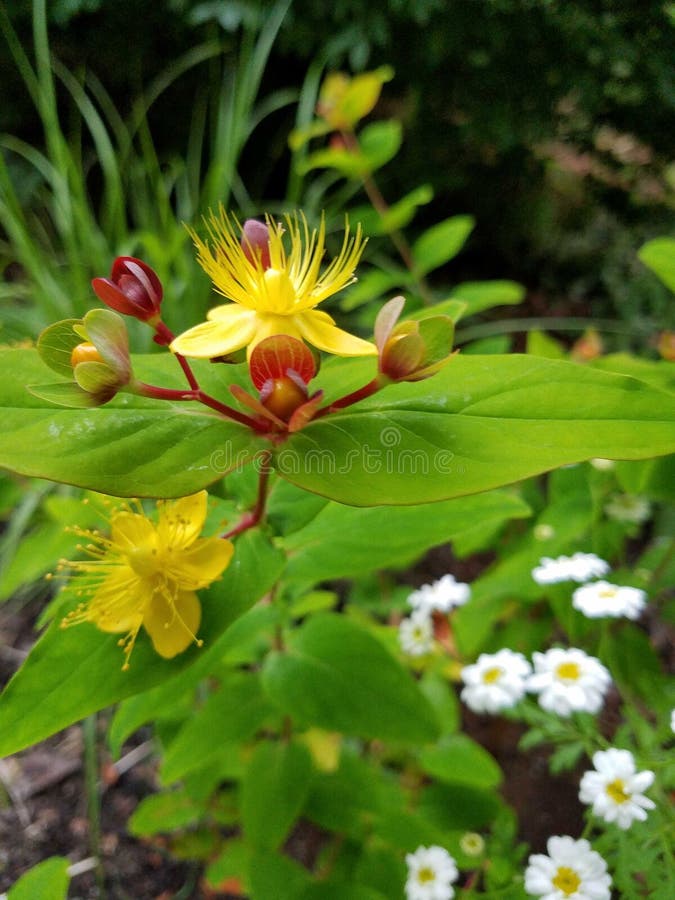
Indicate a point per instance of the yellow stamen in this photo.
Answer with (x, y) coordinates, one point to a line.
(566, 880)
(568, 671)
(616, 791)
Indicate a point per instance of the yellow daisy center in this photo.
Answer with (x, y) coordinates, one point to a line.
(425, 875)
(616, 791)
(491, 675)
(566, 880)
(608, 592)
(568, 671)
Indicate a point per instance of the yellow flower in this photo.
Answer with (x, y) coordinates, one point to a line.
(275, 290)
(146, 574)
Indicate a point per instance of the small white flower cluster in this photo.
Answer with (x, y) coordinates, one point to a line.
(572, 870)
(431, 874)
(416, 632)
(566, 681)
(598, 599)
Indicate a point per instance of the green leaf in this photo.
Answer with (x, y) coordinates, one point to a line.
(378, 143)
(73, 672)
(397, 216)
(480, 423)
(337, 676)
(130, 446)
(338, 542)
(274, 875)
(234, 712)
(457, 759)
(164, 812)
(47, 880)
(338, 890)
(541, 344)
(441, 243)
(659, 256)
(481, 295)
(273, 792)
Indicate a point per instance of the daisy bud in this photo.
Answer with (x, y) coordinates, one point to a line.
(132, 289)
(255, 242)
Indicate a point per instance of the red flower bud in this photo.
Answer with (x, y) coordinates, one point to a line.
(255, 242)
(132, 289)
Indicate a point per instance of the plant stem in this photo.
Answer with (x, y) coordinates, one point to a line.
(198, 395)
(381, 206)
(252, 518)
(165, 336)
(366, 391)
(93, 798)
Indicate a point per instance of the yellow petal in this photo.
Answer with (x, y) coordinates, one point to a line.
(172, 627)
(223, 334)
(129, 530)
(181, 521)
(118, 603)
(319, 329)
(201, 564)
(268, 325)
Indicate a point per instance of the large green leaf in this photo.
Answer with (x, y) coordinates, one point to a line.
(342, 541)
(336, 675)
(130, 446)
(480, 423)
(73, 672)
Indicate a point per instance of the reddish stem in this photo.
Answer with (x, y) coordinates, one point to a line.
(198, 395)
(363, 392)
(252, 518)
(165, 336)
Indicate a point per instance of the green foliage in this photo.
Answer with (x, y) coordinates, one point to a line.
(48, 880)
(337, 676)
(299, 701)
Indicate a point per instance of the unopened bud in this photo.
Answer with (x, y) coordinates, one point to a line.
(132, 289)
(255, 242)
(412, 350)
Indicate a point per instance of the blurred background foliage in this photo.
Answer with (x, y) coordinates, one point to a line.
(549, 122)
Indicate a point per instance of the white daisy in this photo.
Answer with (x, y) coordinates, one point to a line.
(579, 567)
(672, 721)
(496, 681)
(441, 596)
(571, 871)
(431, 873)
(568, 681)
(416, 633)
(614, 789)
(626, 508)
(600, 598)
